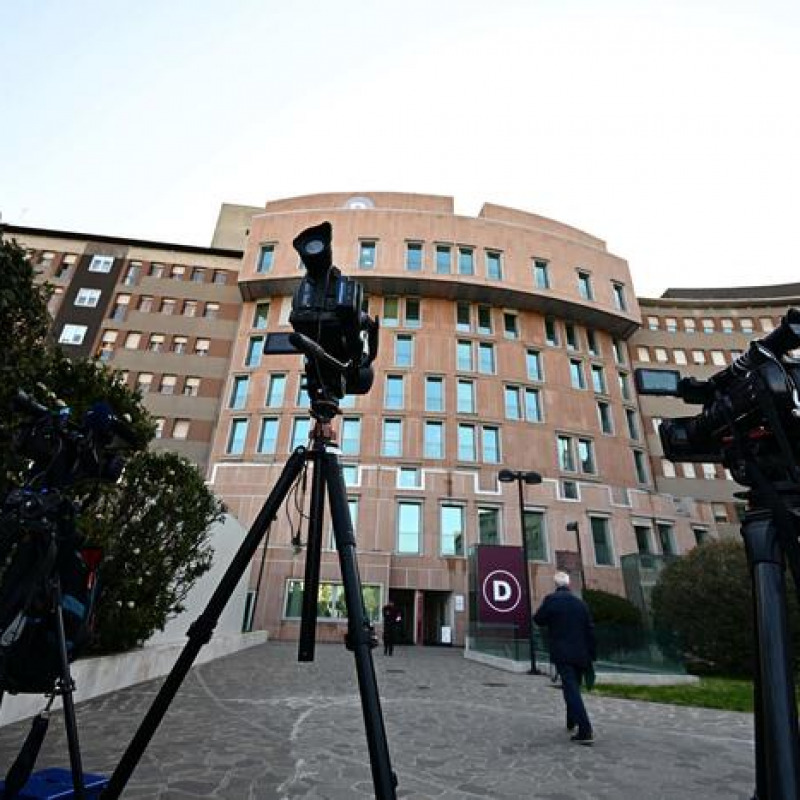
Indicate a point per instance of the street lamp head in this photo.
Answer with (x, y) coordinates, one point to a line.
(511, 475)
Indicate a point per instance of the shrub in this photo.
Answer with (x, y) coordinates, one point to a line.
(706, 598)
(611, 609)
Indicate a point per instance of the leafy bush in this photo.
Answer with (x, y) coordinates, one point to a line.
(154, 532)
(706, 598)
(611, 609)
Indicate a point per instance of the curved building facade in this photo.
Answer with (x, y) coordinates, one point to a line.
(503, 345)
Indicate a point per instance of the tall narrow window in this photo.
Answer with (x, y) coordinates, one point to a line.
(237, 437)
(465, 397)
(490, 437)
(586, 456)
(551, 332)
(485, 320)
(434, 393)
(599, 379)
(255, 347)
(466, 261)
(444, 259)
(351, 436)
(366, 254)
(489, 525)
(413, 256)
(464, 352)
(601, 539)
(576, 376)
(276, 390)
(533, 363)
(451, 523)
(666, 539)
(535, 535)
(434, 439)
(266, 257)
(300, 430)
(239, 389)
(585, 285)
(620, 300)
(541, 274)
(494, 265)
(463, 317)
(510, 325)
(640, 466)
(604, 417)
(268, 436)
(466, 443)
(394, 395)
(391, 312)
(392, 440)
(566, 455)
(512, 403)
(533, 405)
(413, 317)
(409, 527)
(404, 350)
(261, 316)
(486, 363)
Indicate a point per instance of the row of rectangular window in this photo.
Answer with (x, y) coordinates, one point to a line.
(168, 384)
(474, 442)
(176, 272)
(679, 356)
(167, 305)
(155, 343)
(709, 324)
(463, 264)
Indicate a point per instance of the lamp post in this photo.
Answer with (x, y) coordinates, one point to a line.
(573, 526)
(510, 476)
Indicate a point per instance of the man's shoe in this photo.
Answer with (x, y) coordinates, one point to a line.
(583, 738)
(571, 727)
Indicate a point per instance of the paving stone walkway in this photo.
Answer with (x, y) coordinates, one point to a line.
(259, 725)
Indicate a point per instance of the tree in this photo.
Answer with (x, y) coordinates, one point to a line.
(24, 345)
(154, 533)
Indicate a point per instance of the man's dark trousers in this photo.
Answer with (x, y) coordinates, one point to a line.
(571, 677)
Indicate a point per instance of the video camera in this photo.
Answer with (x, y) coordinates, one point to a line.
(754, 404)
(337, 337)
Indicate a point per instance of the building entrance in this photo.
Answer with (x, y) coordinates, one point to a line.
(404, 600)
(437, 618)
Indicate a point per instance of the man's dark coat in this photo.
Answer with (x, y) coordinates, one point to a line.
(570, 626)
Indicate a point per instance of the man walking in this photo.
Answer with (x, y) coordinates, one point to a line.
(572, 649)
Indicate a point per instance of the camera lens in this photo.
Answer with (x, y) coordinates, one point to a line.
(314, 247)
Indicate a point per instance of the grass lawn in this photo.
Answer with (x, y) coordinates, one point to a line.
(729, 694)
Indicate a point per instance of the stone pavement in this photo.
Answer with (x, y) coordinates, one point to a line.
(259, 725)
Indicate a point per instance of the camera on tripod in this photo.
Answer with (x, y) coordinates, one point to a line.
(332, 330)
(754, 404)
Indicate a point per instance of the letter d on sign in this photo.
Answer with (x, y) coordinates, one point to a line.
(501, 591)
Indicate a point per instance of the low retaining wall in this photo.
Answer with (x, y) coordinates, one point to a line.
(601, 676)
(97, 676)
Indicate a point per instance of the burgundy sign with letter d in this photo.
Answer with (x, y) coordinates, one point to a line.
(502, 599)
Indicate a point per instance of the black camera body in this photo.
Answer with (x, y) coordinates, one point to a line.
(754, 404)
(338, 338)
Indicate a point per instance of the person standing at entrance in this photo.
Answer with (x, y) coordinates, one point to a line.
(572, 650)
(392, 620)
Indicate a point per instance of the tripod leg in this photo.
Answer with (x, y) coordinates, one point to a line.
(778, 753)
(66, 688)
(202, 628)
(308, 621)
(360, 633)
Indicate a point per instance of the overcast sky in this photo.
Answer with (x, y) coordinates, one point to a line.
(669, 129)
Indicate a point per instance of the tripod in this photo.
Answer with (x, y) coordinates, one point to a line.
(46, 570)
(327, 478)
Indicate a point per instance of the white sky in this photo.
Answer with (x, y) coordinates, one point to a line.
(669, 129)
